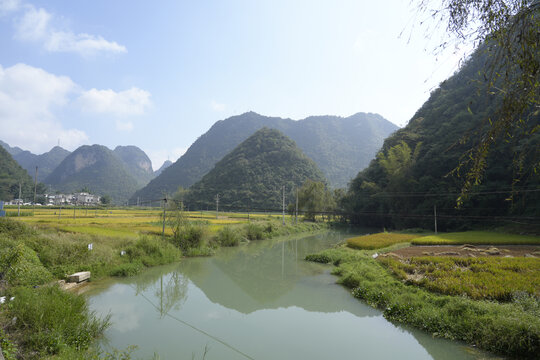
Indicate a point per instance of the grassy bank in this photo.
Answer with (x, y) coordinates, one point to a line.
(478, 278)
(51, 323)
(511, 328)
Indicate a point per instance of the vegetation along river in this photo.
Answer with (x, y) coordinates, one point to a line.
(259, 301)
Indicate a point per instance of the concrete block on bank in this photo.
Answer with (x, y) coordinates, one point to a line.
(80, 276)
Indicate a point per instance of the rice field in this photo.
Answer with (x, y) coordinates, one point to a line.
(120, 222)
(379, 240)
(477, 238)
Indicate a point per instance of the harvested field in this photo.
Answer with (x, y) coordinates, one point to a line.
(468, 251)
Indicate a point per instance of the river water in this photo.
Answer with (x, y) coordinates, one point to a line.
(257, 301)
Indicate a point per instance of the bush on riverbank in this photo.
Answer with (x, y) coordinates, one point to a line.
(228, 236)
(511, 328)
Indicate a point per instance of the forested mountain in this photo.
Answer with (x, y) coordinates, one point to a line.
(45, 162)
(413, 171)
(96, 168)
(339, 146)
(11, 174)
(11, 150)
(165, 165)
(252, 175)
(137, 163)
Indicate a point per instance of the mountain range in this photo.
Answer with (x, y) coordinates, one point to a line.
(339, 146)
(252, 175)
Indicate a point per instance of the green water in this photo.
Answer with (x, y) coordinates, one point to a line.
(259, 301)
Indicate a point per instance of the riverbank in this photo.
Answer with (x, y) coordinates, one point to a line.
(32, 259)
(510, 327)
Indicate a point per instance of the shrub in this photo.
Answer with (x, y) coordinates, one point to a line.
(19, 265)
(227, 236)
(254, 231)
(49, 319)
(127, 269)
(189, 236)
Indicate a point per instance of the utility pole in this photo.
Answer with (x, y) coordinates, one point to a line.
(217, 206)
(164, 214)
(19, 201)
(296, 212)
(435, 217)
(283, 204)
(35, 189)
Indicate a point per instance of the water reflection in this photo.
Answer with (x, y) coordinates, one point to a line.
(259, 301)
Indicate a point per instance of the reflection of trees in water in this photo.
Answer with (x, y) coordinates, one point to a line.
(172, 292)
(168, 289)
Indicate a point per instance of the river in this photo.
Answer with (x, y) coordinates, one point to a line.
(257, 301)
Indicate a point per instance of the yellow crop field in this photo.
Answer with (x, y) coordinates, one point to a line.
(119, 223)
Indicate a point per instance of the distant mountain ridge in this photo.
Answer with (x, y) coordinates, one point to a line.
(253, 174)
(11, 175)
(165, 165)
(45, 162)
(97, 168)
(339, 146)
(137, 163)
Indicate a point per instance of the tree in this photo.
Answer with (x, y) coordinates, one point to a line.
(311, 198)
(509, 31)
(105, 200)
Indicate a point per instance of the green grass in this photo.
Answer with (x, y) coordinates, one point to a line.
(478, 278)
(477, 238)
(511, 328)
(49, 320)
(379, 240)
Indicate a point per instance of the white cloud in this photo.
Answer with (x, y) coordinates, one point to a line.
(7, 6)
(35, 25)
(133, 101)
(217, 106)
(84, 44)
(29, 97)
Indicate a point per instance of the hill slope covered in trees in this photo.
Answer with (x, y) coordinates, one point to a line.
(137, 163)
(413, 172)
(252, 175)
(339, 146)
(96, 168)
(11, 174)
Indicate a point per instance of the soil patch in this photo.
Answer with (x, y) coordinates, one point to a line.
(467, 251)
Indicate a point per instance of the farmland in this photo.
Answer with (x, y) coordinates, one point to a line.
(481, 295)
(122, 222)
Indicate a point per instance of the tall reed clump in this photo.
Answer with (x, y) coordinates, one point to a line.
(228, 236)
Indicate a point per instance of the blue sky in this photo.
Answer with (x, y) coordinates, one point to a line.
(159, 74)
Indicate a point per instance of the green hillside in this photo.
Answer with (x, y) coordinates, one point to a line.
(137, 163)
(339, 146)
(45, 162)
(96, 168)
(11, 173)
(413, 171)
(252, 175)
